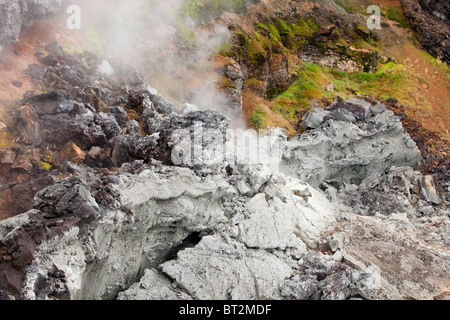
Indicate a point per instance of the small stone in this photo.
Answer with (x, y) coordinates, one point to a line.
(50, 158)
(338, 256)
(31, 126)
(343, 115)
(7, 157)
(133, 127)
(313, 120)
(18, 84)
(187, 108)
(243, 188)
(36, 71)
(95, 152)
(360, 107)
(151, 90)
(335, 244)
(71, 152)
(105, 69)
(428, 190)
(302, 191)
(379, 108)
(23, 162)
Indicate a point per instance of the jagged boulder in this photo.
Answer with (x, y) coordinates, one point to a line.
(343, 150)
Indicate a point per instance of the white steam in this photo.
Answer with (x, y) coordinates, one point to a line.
(165, 45)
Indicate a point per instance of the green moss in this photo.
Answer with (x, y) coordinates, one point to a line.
(6, 140)
(307, 87)
(386, 68)
(390, 80)
(225, 82)
(395, 15)
(185, 34)
(253, 82)
(209, 9)
(352, 6)
(94, 38)
(257, 49)
(45, 166)
(258, 118)
(226, 50)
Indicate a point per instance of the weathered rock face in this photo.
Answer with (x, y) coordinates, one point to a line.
(430, 19)
(92, 251)
(352, 148)
(167, 204)
(162, 205)
(16, 14)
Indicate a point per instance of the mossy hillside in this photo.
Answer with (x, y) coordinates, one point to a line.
(210, 9)
(185, 34)
(257, 118)
(392, 80)
(259, 114)
(6, 140)
(395, 15)
(352, 6)
(278, 36)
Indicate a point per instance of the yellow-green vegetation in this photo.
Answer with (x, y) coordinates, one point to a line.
(395, 15)
(352, 6)
(208, 9)
(257, 48)
(185, 33)
(258, 118)
(6, 140)
(253, 82)
(392, 80)
(311, 80)
(45, 166)
(225, 82)
(226, 49)
(277, 37)
(438, 63)
(73, 48)
(94, 39)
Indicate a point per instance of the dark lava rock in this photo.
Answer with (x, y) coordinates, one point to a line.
(108, 124)
(61, 128)
(430, 20)
(36, 71)
(129, 148)
(53, 102)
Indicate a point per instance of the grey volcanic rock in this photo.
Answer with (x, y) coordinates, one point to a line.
(100, 251)
(176, 205)
(153, 286)
(233, 271)
(343, 151)
(16, 14)
(52, 102)
(221, 268)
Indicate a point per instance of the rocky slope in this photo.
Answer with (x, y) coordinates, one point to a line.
(112, 191)
(18, 14)
(431, 20)
(140, 217)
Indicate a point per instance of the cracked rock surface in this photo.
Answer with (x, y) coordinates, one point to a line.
(150, 202)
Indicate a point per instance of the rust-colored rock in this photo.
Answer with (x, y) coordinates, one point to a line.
(71, 152)
(31, 130)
